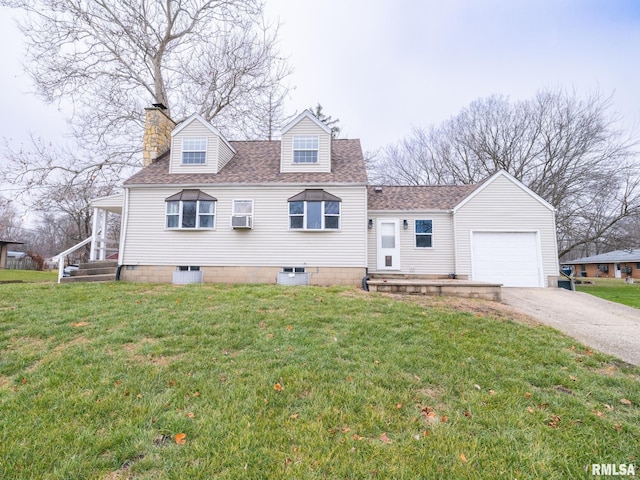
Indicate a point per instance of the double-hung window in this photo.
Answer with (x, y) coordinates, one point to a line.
(242, 216)
(314, 210)
(424, 233)
(305, 149)
(190, 209)
(194, 150)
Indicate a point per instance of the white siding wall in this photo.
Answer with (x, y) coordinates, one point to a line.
(195, 129)
(269, 243)
(503, 206)
(425, 261)
(224, 154)
(306, 126)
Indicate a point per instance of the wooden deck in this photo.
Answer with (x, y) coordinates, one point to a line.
(437, 287)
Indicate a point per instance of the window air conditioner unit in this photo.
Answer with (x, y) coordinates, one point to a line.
(241, 221)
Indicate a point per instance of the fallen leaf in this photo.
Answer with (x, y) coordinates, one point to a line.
(467, 414)
(492, 392)
(426, 433)
(262, 325)
(618, 427)
(530, 409)
(191, 415)
(398, 406)
(608, 407)
(80, 324)
(444, 419)
(287, 461)
(478, 387)
(345, 429)
(463, 457)
(598, 413)
(357, 437)
(278, 388)
(293, 416)
(139, 395)
(384, 438)
(181, 438)
(270, 335)
(289, 327)
(528, 394)
(589, 352)
(625, 401)
(571, 377)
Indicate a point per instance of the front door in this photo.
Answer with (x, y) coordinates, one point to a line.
(617, 271)
(388, 244)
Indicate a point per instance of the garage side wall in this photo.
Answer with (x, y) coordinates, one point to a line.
(503, 205)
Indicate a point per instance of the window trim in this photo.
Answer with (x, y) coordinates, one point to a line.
(416, 234)
(193, 150)
(314, 195)
(323, 216)
(190, 195)
(242, 214)
(315, 147)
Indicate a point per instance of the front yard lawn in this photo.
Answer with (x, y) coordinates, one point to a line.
(120, 381)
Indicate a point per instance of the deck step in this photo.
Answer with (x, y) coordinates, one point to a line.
(99, 271)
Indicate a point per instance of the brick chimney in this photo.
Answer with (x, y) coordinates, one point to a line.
(157, 133)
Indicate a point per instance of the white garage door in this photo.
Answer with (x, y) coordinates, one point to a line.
(510, 258)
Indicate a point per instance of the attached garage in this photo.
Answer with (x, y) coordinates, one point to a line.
(510, 258)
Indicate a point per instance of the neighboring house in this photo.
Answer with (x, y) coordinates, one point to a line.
(300, 210)
(617, 264)
(5, 253)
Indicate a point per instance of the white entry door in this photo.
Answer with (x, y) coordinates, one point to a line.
(388, 244)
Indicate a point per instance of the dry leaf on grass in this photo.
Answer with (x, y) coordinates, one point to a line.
(181, 438)
(625, 401)
(384, 438)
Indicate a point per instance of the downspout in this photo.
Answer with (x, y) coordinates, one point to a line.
(123, 231)
(455, 242)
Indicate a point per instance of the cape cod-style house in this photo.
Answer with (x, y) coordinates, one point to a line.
(300, 210)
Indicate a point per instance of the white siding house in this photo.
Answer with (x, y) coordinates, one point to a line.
(300, 210)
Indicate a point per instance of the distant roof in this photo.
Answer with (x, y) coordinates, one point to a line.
(429, 197)
(259, 162)
(10, 242)
(617, 256)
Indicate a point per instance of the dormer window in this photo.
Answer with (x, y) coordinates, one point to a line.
(194, 150)
(305, 149)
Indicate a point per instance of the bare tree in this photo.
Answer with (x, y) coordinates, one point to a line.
(108, 59)
(9, 220)
(569, 150)
(328, 120)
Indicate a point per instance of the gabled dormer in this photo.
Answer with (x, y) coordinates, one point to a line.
(198, 147)
(306, 145)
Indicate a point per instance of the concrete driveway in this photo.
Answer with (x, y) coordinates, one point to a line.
(606, 326)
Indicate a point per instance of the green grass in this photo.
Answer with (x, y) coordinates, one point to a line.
(28, 276)
(614, 290)
(96, 381)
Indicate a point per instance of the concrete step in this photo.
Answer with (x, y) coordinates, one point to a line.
(110, 277)
(98, 264)
(81, 272)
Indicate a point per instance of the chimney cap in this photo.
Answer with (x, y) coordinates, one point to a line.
(161, 106)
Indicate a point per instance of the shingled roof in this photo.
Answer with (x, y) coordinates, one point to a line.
(429, 197)
(258, 162)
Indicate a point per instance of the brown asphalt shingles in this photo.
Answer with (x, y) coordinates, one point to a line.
(258, 162)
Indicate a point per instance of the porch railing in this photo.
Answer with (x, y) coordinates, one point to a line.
(99, 251)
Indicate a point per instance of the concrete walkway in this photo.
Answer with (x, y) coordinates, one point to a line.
(606, 326)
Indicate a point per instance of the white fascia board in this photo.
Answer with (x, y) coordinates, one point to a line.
(512, 179)
(304, 114)
(201, 119)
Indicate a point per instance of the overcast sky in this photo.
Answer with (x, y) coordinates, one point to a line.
(384, 66)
